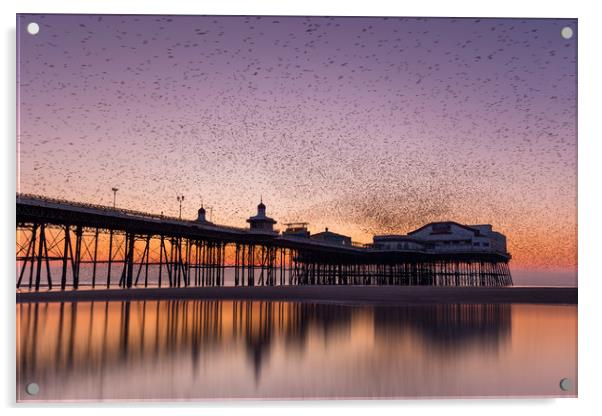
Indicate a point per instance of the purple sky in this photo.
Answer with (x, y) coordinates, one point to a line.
(364, 125)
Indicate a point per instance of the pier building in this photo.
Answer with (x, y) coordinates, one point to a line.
(296, 229)
(445, 237)
(333, 238)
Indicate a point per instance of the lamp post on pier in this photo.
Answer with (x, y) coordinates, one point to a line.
(114, 196)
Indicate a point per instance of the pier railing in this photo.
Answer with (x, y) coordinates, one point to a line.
(123, 211)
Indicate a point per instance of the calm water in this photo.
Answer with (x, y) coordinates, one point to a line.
(170, 350)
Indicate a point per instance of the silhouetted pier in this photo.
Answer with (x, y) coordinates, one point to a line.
(55, 238)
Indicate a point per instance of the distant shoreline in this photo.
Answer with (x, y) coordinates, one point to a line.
(356, 295)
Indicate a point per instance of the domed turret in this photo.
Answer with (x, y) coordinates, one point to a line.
(261, 221)
(201, 215)
(261, 209)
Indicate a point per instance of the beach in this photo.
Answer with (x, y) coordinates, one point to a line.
(368, 295)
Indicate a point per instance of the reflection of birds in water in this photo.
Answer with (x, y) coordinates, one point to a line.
(387, 122)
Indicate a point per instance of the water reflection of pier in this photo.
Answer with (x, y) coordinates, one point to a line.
(447, 326)
(71, 338)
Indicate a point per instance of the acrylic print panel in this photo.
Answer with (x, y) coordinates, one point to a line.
(273, 207)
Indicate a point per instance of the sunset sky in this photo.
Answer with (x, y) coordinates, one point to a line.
(363, 125)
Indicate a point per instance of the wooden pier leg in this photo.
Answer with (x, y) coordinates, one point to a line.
(456, 273)
(167, 263)
(251, 265)
(148, 241)
(224, 263)
(142, 258)
(196, 263)
(66, 244)
(282, 266)
(290, 266)
(216, 262)
(47, 257)
(33, 254)
(221, 263)
(216, 269)
(204, 261)
(174, 261)
(179, 265)
(236, 265)
(125, 263)
(110, 260)
(130, 261)
(161, 249)
(201, 263)
(248, 265)
(482, 272)
(500, 274)
(263, 256)
(188, 262)
(95, 258)
(243, 264)
(78, 253)
(40, 256)
(212, 268)
(25, 261)
(209, 264)
(270, 266)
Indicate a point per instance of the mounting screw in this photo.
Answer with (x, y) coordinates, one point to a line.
(32, 389)
(566, 32)
(33, 28)
(565, 384)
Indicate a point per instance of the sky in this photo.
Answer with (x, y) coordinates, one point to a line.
(362, 125)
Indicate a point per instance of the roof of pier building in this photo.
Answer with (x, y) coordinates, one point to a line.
(396, 237)
(444, 227)
(327, 235)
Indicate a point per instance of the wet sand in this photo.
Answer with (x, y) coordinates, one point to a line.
(364, 295)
